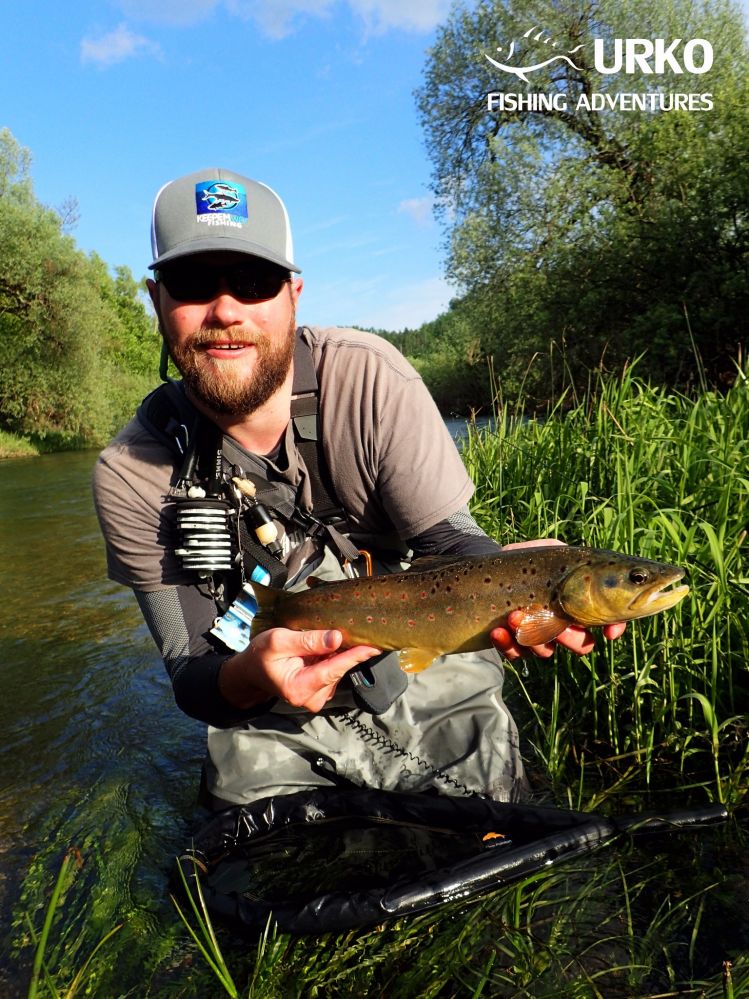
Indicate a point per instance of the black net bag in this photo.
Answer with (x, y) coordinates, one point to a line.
(329, 860)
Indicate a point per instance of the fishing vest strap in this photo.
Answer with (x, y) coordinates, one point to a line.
(305, 416)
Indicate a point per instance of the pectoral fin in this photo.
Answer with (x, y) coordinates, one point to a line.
(415, 660)
(540, 625)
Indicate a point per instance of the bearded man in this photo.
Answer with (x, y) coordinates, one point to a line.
(330, 438)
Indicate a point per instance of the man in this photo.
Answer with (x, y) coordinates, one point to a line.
(317, 418)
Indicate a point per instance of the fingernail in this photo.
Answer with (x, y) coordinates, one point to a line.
(331, 640)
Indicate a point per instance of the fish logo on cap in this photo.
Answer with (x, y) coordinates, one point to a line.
(220, 198)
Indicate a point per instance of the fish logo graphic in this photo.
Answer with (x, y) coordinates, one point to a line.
(221, 197)
(220, 202)
(520, 71)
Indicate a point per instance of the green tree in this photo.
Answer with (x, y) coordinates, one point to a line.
(75, 342)
(585, 236)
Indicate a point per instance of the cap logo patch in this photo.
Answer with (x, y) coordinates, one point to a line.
(219, 202)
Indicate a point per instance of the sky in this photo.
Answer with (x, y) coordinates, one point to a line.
(313, 97)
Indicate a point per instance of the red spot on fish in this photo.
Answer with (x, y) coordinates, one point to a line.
(357, 594)
(449, 610)
(411, 624)
(404, 596)
(492, 607)
(336, 596)
(430, 617)
(423, 594)
(370, 619)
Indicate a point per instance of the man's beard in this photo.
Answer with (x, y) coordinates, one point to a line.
(224, 386)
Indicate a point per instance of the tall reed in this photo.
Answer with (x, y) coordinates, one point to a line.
(650, 472)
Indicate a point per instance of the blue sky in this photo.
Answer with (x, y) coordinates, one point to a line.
(313, 97)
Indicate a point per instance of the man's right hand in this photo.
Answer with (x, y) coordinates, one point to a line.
(303, 668)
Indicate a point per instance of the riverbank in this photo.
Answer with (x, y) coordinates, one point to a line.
(15, 446)
(12, 446)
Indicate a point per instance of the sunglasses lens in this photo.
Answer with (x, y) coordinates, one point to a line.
(196, 283)
(190, 284)
(251, 284)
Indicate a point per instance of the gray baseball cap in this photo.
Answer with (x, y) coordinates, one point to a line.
(217, 209)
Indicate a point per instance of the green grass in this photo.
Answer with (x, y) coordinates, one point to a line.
(653, 473)
(658, 717)
(13, 446)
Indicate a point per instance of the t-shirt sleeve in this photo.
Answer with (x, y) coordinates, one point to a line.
(131, 481)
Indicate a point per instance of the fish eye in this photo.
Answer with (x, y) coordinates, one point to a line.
(638, 576)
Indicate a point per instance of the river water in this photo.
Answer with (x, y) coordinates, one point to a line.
(94, 755)
(94, 750)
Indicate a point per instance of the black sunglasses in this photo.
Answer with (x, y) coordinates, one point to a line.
(198, 282)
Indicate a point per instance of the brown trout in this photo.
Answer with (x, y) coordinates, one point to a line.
(454, 606)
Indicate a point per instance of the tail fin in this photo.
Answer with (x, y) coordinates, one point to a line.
(267, 602)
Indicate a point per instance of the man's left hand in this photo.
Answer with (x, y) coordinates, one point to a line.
(575, 638)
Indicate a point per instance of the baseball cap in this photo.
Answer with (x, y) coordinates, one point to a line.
(217, 209)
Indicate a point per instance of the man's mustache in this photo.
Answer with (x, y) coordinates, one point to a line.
(206, 336)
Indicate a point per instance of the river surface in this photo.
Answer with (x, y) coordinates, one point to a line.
(93, 751)
(94, 754)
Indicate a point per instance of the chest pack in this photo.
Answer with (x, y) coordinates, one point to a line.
(227, 504)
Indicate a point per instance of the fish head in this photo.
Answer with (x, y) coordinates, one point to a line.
(619, 588)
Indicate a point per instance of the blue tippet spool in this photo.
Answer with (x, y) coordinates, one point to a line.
(260, 575)
(234, 627)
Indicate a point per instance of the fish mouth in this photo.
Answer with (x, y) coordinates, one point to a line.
(657, 597)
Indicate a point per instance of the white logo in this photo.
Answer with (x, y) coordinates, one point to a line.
(627, 56)
(520, 71)
(630, 55)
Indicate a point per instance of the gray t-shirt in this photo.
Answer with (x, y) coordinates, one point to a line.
(393, 463)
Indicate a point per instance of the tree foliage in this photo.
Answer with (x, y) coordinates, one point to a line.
(583, 237)
(77, 343)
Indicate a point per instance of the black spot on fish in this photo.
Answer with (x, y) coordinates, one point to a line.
(487, 579)
(448, 588)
